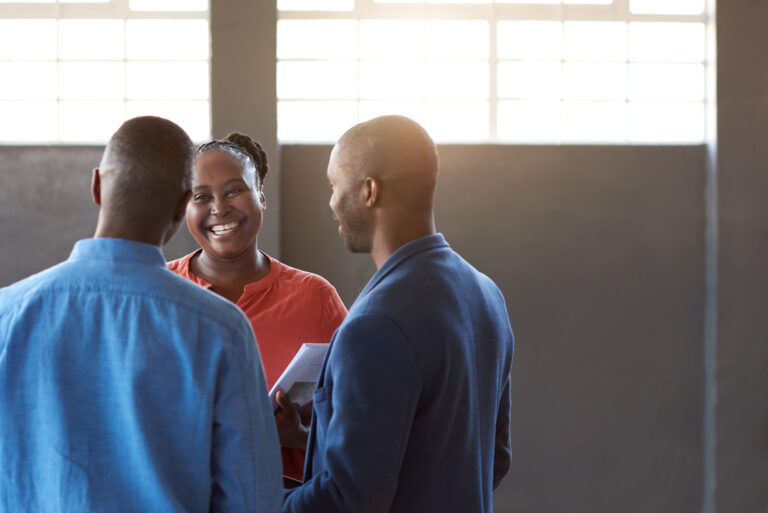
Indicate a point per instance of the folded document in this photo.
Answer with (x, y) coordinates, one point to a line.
(298, 380)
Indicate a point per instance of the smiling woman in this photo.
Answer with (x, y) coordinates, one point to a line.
(286, 306)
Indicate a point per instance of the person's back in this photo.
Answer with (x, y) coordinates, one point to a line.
(126, 388)
(454, 321)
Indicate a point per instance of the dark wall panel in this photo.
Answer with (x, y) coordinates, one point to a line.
(599, 252)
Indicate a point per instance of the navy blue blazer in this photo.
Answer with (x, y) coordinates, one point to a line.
(411, 412)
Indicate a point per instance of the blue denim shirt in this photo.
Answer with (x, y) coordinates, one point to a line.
(126, 388)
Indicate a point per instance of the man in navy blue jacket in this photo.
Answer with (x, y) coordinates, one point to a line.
(411, 412)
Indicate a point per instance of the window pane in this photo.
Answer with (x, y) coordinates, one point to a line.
(527, 1)
(314, 121)
(193, 117)
(377, 41)
(521, 121)
(595, 40)
(585, 122)
(27, 39)
(457, 39)
(457, 121)
(27, 121)
(315, 5)
(459, 1)
(91, 80)
(168, 5)
(167, 80)
(530, 39)
(92, 39)
(391, 79)
(411, 109)
(666, 82)
(666, 122)
(666, 42)
(458, 80)
(594, 81)
(588, 2)
(528, 79)
(666, 6)
(316, 79)
(316, 39)
(89, 121)
(157, 40)
(28, 80)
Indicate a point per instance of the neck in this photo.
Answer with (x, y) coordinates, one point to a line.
(106, 229)
(395, 233)
(249, 266)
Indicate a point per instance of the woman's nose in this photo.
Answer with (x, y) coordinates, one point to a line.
(219, 207)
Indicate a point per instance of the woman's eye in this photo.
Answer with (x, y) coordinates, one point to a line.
(232, 192)
(201, 197)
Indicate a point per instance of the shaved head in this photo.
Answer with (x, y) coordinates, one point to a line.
(146, 168)
(396, 151)
(383, 174)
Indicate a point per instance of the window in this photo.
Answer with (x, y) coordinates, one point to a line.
(72, 72)
(508, 71)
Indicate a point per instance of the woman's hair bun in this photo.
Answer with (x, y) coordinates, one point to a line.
(253, 149)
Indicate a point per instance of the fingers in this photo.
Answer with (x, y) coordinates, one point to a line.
(284, 401)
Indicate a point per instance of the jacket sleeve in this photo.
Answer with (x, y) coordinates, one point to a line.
(245, 460)
(363, 417)
(502, 454)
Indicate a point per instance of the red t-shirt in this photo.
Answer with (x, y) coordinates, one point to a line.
(287, 308)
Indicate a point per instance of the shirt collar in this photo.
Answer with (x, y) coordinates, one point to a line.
(117, 250)
(403, 253)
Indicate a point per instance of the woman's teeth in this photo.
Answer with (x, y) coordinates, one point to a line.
(223, 229)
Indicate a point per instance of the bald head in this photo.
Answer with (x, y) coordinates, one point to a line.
(383, 174)
(144, 174)
(398, 152)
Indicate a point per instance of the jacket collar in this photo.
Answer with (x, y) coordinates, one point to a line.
(403, 253)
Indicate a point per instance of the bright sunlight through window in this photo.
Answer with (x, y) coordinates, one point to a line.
(508, 71)
(73, 71)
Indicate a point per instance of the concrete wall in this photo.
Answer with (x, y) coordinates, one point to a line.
(46, 205)
(599, 252)
(741, 420)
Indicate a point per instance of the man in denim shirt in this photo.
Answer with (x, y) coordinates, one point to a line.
(124, 387)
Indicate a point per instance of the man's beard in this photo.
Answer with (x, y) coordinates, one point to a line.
(355, 232)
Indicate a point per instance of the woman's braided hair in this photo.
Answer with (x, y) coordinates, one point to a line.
(242, 146)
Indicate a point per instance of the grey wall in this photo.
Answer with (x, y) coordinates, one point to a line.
(741, 420)
(45, 206)
(599, 252)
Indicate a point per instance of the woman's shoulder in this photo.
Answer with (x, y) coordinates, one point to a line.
(303, 279)
(181, 265)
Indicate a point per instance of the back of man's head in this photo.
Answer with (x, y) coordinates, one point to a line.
(145, 172)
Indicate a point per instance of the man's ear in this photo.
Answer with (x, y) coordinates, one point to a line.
(181, 208)
(370, 191)
(96, 186)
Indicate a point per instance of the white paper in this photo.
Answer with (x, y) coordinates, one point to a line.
(298, 380)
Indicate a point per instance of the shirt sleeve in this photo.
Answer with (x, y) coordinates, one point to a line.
(245, 459)
(333, 312)
(365, 419)
(502, 454)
